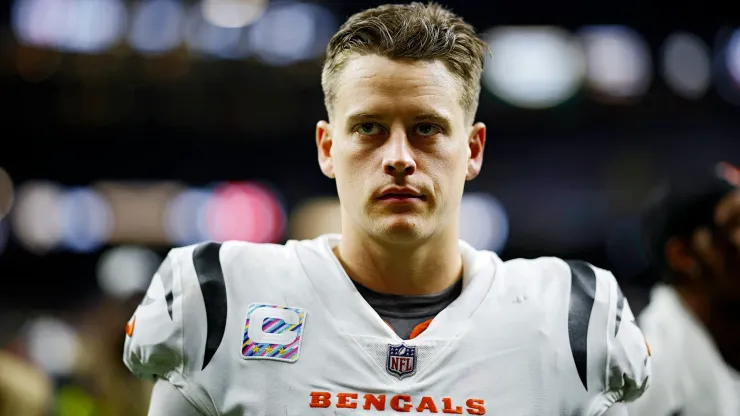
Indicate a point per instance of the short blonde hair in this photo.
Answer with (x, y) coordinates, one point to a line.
(413, 31)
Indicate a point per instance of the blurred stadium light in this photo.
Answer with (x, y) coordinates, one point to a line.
(87, 219)
(246, 212)
(686, 65)
(233, 13)
(210, 40)
(732, 56)
(291, 32)
(126, 270)
(157, 26)
(53, 345)
(185, 218)
(82, 26)
(726, 65)
(483, 222)
(48, 216)
(37, 219)
(619, 67)
(535, 67)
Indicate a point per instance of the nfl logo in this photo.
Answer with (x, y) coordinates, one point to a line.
(401, 360)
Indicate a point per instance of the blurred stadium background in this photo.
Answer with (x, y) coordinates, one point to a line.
(135, 126)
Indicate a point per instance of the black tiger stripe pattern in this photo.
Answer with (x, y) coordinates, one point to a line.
(582, 295)
(207, 262)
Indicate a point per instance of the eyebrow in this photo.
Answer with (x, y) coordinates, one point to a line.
(427, 116)
(432, 116)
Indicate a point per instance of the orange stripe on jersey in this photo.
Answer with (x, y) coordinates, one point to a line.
(130, 327)
(419, 329)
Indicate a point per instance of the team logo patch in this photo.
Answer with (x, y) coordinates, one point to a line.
(273, 332)
(401, 360)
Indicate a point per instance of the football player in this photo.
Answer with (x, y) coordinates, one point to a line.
(693, 320)
(396, 314)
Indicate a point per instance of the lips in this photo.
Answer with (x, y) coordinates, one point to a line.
(400, 196)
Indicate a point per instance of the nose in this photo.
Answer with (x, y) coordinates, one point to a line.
(398, 159)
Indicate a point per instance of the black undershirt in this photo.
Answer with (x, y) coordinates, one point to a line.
(404, 312)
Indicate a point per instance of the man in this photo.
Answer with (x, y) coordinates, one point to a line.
(693, 320)
(24, 389)
(395, 315)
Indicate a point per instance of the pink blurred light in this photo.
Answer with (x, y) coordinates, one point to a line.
(245, 211)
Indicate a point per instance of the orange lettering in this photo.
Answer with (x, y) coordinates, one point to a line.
(396, 403)
(320, 399)
(343, 400)
(475, 407)
(448, 407)
(427, 403)
(376, 401)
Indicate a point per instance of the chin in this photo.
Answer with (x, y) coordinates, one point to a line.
(400, 230)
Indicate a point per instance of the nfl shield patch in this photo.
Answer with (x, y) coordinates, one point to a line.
(401, 360)
(273, 332)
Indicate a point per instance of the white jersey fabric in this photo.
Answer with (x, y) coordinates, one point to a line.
(256, 329)
(689, 376)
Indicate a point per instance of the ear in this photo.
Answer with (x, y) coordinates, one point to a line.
(323, 143)
(476, 144)
(678, 254)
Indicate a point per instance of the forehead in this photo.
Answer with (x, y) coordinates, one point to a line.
(378, 85)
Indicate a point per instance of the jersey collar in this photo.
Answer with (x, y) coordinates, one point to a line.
(355, 316)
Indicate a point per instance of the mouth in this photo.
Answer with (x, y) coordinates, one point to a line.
(400, 197)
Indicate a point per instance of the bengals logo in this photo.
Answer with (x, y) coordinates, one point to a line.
(395, 403)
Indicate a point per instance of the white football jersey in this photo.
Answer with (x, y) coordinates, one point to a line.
(689, 376)
(256, 329)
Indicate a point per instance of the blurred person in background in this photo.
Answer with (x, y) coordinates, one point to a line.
(70, 364)
(24, 389)
(99, 382)
(692, 323)
(396, 314)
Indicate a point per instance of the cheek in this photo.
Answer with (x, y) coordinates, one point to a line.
(450, 163)
(353, 168)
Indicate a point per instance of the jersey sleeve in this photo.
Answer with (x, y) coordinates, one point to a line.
(167, 400)
(610, 352)
(154, 335)
(179, 325)
(628, 354)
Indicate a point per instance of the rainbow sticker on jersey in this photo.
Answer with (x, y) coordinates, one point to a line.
(273, 332)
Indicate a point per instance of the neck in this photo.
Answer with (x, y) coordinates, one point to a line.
(721, 320)
(695, 302)
(402, 269)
